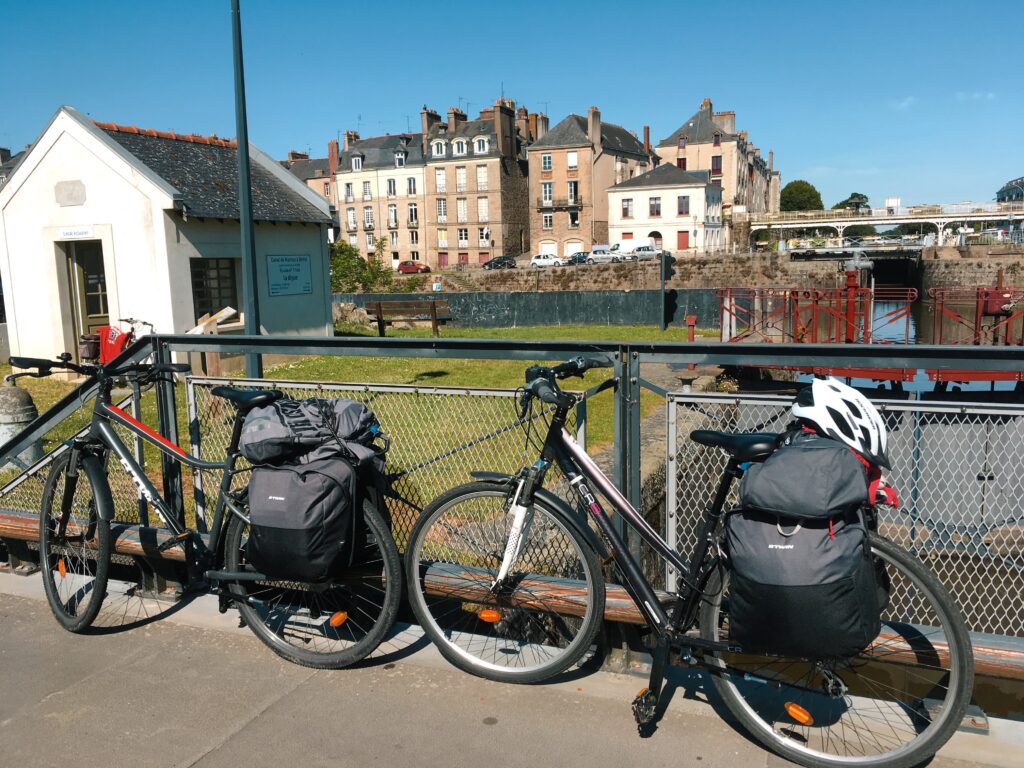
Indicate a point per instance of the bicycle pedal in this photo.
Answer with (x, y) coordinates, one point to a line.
(174, 541)
(644, 706)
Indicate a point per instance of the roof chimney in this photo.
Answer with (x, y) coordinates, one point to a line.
(428, 121)
(542, 126)
(647, 139)
(350, 137)
(294, 155)
(771, 160)
(727, 120)
(332, 156)
(706, 104)
(504, 127)
(594, 126)
(455, 118)
(5, 154)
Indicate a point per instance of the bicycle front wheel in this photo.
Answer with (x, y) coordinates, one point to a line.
(894, 704)
(74, 546)
(544, 616)
(329, 625)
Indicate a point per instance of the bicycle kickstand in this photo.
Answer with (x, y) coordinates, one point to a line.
(645, 704)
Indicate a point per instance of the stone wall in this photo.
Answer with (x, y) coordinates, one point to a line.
(970, 267)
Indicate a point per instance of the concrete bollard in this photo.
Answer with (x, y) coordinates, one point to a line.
(17, 411)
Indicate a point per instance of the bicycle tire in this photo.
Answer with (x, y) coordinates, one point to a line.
(865, 725)
(75, 567)
(295, 620)
(523, 634)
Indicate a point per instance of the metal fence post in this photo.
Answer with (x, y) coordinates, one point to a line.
(167, 423)
(627, 431)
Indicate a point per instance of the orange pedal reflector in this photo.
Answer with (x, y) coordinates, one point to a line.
(798, 713)
(489, 615)
(61, 568)
(338, 618)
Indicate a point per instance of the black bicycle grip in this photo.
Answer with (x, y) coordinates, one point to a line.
(35, 362)
(548, 393)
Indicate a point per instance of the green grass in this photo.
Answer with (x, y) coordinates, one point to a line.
(540, 332)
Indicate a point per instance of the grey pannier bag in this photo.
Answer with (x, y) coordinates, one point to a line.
(803, 582)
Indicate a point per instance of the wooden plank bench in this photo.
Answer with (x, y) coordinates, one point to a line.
(437, 311)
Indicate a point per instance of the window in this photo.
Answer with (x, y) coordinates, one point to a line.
(574, 219)
(627, 208)
(572, 159)
(392, 215)
(392, 187)
(682, 142)
(461, 210)
(393, 238)
(463, 237)
(460, 178)
(481, 178)
(351, 218)
(717, 140)
(545, 192)
(573, 191)
(214, 285)
(353, 240)
(716, 165)
(459, 147)
(548, 221)
(348, 193)
(439, 181)
(545, 162)
(414, 255)
(414, 237)
(400, 160)
(410, 186)
(485, 236)
(370, 242)
(413, 213)
(366, 191)
(357, 163)
(655, 206)
(442, 210)
(481, 146)
(442, 238)
(481, 209)
(681, 163)
(438, 149)
(368, 217)
(627, 235)
(683, 205)
(327, 189)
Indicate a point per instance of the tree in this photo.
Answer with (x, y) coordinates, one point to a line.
(350, 272)
(800, 195)
(854, 202)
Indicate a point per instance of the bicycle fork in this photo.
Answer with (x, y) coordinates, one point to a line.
(521, 510)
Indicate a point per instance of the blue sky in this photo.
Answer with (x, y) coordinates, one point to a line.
(918, 99)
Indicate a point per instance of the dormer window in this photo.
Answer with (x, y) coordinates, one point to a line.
(438, 149)
(399, 159)
(717, 140)
(682, 142)
(459, 147)
(481, 146)
(357, 163)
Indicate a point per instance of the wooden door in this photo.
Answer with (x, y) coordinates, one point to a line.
(682, 241)
(88, 285)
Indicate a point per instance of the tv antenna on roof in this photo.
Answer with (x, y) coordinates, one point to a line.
(359, 123)
(408, 129)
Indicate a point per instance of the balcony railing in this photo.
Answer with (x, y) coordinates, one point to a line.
(350, 198)
(560, 202)
(463, 243)
(412, 223)
(367, 225)
(442, 243)
(392, 223)
(485, 244)
(482, 217)
(481, 187)
(367, 196)
(442, 190)
(351, 226)
(460, 187)
(442, 218)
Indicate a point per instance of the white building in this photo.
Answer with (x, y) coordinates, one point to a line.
(674, 210)
(102, 221)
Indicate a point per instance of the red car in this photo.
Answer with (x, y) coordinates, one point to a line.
(412, 267)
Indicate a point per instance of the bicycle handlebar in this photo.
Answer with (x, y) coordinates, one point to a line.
(143, 370)
(541, 381)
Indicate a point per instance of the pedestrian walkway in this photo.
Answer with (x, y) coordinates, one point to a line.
(194, 689)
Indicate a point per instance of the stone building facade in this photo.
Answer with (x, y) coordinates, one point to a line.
(380, 187)
(708, 141)
(475, 183)
(570, 171)
(672, 209)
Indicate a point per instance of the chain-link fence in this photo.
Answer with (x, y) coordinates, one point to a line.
(957, 469)
(439, 435)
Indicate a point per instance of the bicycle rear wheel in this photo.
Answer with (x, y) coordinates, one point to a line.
(329, 625)
(74, 548)
(894, 704)
(540, 622)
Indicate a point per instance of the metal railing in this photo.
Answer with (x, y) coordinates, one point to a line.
(956, 467)
(990, 210)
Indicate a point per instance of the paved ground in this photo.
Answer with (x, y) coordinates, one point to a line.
(191, 689)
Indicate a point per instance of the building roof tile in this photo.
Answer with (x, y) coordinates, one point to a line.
(699, 129)
(665, 175)
(572, 132)
(379, 151)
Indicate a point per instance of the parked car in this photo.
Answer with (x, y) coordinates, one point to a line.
(600, 254)
(580, 257)
(412, 267)
(547, 260)
(501, 262)
(645, 253)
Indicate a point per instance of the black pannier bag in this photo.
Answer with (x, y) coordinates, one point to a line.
(803, 581)
(315, 461)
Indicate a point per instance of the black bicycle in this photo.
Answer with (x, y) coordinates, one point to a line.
(325, 625)
(506, 580)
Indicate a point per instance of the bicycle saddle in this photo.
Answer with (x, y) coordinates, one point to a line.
(752, 446)
(247, 399)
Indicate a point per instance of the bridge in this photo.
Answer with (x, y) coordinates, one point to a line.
(939, 216)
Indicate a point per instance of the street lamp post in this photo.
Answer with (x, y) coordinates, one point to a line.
(250, 281)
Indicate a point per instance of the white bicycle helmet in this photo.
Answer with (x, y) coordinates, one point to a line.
(844, 414)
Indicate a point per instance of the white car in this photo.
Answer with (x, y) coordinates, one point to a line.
(601, 255)
(547, 260)
(644, 253)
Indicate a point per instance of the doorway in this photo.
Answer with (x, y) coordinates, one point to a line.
(87, 286)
